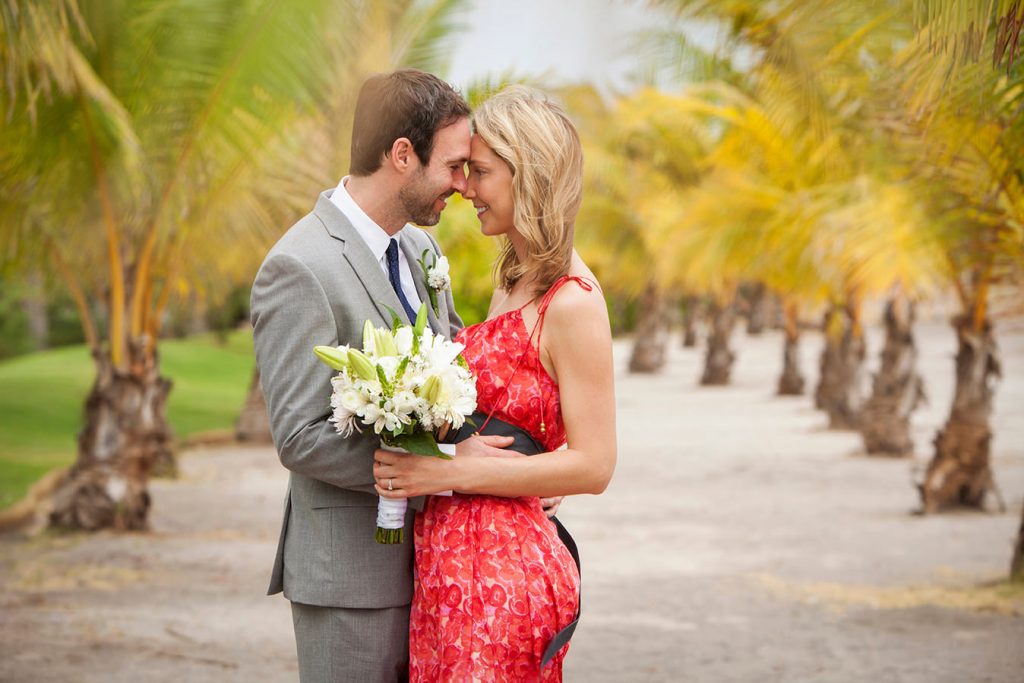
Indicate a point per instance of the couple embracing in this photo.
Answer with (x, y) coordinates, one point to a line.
(487, 587)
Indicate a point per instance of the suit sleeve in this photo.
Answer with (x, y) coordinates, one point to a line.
(290, 315)
(454, 320)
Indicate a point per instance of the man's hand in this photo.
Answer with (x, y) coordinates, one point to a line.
(486, 446)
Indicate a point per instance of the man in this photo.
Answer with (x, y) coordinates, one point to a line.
(348, 261)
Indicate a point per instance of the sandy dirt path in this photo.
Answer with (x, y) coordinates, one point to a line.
(739, 541)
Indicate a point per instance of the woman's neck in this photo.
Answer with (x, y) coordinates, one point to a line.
(518, 242)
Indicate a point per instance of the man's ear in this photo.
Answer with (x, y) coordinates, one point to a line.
(402, 156)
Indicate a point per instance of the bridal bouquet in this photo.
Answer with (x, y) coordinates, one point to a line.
(405, 383)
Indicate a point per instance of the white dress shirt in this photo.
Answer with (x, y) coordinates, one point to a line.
(377, 240)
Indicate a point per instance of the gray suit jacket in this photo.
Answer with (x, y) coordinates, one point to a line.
(318, 285)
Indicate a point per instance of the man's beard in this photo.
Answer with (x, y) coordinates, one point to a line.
(418, 206)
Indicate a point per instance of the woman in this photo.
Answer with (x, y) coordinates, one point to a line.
(494, 582)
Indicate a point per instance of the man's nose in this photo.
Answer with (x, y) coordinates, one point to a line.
(459, 183)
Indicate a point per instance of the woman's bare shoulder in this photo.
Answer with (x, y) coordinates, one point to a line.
(581, 297)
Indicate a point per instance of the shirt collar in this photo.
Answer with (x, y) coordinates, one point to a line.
(374, 236)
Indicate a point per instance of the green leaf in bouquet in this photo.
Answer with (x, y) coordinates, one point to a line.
(388, 388)
(396, 320)
(400, 371)
(421, 321)
(418, 327)
(419, 443)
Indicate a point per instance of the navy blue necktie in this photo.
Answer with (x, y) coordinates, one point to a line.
(396, 282)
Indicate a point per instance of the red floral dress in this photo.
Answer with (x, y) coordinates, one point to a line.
(494, 583)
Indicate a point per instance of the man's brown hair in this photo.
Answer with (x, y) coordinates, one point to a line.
(407, 103)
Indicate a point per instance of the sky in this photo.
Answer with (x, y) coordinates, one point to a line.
(569, 40)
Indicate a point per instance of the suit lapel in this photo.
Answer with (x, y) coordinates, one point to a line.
(420, 278)
(359, 256)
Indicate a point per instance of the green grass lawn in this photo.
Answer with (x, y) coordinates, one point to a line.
(41, 398)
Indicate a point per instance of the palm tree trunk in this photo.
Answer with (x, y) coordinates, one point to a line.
(777, 313)
(791, 382)
(1017, 565)
(842, 360)
(33, 303)
(960, 472)
(253, 425)
(691, 312)
(125, 435)
(897, 388)
(651, 333)
(757, 317)
(719, 359)
(829, 358)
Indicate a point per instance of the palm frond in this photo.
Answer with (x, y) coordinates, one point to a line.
(425, 34)
(966, 29)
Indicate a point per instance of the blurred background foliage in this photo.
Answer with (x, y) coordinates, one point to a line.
(807, 150)
(820, 156)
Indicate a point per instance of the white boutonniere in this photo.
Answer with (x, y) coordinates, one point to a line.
(436, 271)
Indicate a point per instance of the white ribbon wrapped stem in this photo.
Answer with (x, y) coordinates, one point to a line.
(391, 511)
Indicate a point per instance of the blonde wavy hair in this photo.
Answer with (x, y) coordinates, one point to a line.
(535, 137)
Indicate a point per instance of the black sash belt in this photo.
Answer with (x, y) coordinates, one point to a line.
(527, 445)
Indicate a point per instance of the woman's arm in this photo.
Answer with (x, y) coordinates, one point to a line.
(577, 340)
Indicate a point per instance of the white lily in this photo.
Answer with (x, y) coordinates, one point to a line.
(438, 353)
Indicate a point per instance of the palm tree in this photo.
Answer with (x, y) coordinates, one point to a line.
(808, 94)
(897, 388)
(758, 302)
(964, 29)
(151, 126)
(253, 423)
(769, 211)
(961, 447)
(691, 313)
(961, 129)
(967, 130)
(912, 268)
(791, 380)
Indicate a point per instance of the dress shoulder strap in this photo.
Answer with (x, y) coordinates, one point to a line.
(584, 282)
